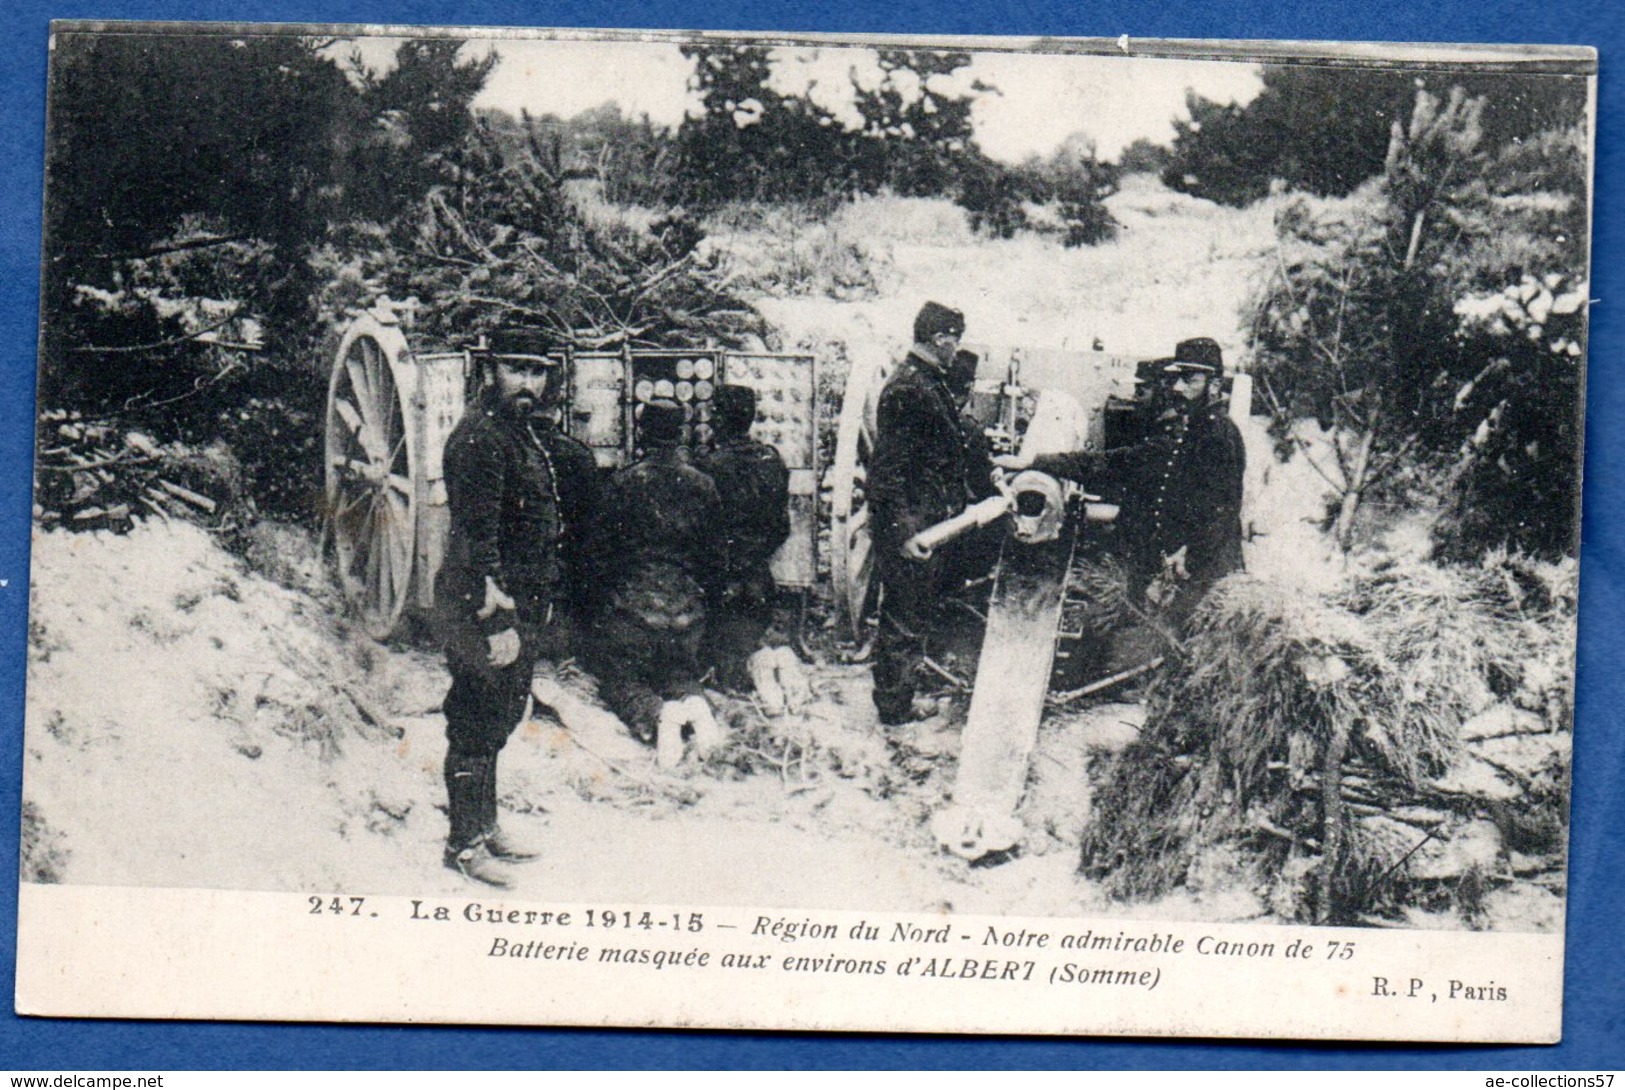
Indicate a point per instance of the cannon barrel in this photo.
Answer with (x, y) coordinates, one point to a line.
(982, 513)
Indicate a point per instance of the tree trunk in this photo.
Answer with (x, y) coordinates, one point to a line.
(1416, 239)
(1359, 474)
(1331, 831)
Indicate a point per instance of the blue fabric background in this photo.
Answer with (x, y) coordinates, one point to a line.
(1594, 1012)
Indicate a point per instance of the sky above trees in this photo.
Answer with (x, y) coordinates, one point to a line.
(1039, 102)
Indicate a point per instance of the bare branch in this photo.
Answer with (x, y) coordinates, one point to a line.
(504, 304)
(155, 346)
(445, 259)
(199, 384)
(1298, 441)
(454, 220)
(1381, 467)
(202, 243)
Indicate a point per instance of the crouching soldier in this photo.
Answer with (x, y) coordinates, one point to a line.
(519, 492)
(1180, 487)
(656, 564)
(754, 487)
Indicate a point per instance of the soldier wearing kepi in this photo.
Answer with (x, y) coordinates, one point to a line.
(519, 493)
(656, 562)
(978, 451)
(1180, 488)
(754, 487)
(923, 471)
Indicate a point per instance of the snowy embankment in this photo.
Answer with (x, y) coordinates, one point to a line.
(188, 721)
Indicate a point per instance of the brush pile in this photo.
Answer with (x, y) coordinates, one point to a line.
(515, 241)
(94, 474)
(1399, 744)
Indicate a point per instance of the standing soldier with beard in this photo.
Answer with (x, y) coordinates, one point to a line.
(1180, 488)
(519, 493)
(923, 471)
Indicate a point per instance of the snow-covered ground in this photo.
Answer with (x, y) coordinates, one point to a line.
(192, 723)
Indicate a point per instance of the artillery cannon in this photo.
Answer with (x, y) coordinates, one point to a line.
(1107, 388)
(1047, 402)
(392, 403)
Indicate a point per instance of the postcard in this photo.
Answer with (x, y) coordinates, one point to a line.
(775, 531)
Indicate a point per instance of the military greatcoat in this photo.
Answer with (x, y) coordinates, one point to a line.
(925, 468)
(656, 563)
(754, 486)
(1179, 488)
(520, 495)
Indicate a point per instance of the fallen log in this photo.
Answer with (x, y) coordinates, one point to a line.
(196, 499)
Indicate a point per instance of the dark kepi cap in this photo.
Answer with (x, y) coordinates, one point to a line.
(935, 318)
(1198, 354)
(735, 408)
(661, 424)
(523, 343)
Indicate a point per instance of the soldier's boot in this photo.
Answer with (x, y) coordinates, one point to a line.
(764, 677)
(508, 848)
(485, 776)
(477, 864)
(674, 716)
(466, 852)
(896, 700)
(793, 679)
(502, 845)
(709, 735)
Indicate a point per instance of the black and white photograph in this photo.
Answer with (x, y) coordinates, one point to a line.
(784, 531)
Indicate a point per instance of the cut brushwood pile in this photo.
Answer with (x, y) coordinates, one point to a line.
(1401, 744)
(511, 242)
(95, 475)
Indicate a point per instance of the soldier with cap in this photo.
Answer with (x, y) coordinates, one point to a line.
(519, 494)
(656, 567)
(923, 471)
(754, 486)
(978, 450)
(1180, 488)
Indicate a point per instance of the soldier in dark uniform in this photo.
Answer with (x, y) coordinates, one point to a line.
(656, 562)
(924, 470)
(978, 451)
(519, 494)
(1180, 488)
(754, 486)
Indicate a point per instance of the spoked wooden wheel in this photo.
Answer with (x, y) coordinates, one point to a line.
(851, 538)
(371, 502)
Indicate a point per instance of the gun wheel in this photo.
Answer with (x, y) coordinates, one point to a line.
(851, 536)
(371, 502)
